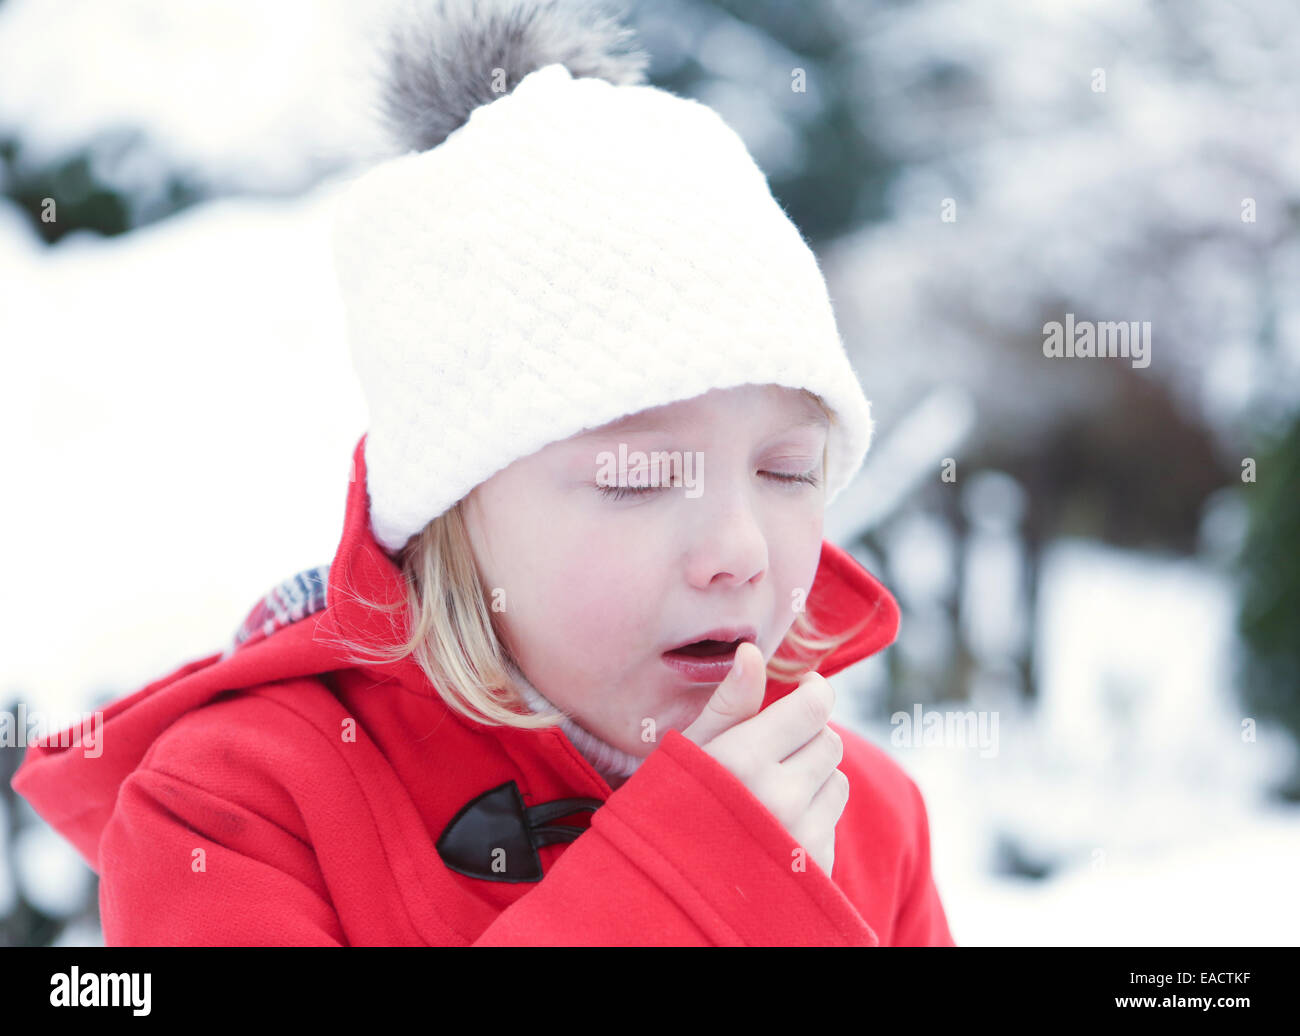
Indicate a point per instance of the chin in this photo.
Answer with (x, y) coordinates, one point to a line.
(680, 716)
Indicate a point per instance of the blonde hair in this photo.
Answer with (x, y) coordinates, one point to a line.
(456, 642)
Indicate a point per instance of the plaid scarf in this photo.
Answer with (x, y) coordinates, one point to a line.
(297, 597)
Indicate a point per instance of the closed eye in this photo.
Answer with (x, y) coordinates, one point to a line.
(620, 492)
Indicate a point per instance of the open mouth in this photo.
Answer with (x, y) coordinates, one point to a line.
(707, 649)
(707, 660)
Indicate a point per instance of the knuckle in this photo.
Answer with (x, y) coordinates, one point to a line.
(816, 708)
(834, 745)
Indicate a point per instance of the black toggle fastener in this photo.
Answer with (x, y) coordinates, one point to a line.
(495, 837)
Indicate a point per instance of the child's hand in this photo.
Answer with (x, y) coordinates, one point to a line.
(786, 755)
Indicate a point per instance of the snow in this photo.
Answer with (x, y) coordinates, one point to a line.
(8, 891)
(255, 96)
(188, 411)
(1131, 784)
(50, 872)
(904, 454)
(1116, 205)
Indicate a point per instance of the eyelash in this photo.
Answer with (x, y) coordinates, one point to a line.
(620, 492)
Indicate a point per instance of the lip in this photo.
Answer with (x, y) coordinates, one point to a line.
(722, 633)
(715, 668)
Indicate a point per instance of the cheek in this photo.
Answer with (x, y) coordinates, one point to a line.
(799, 556)
(589, 592)
(611, 587)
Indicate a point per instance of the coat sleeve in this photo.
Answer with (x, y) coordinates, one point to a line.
(181, 866)
(682, 854)
(920, 920)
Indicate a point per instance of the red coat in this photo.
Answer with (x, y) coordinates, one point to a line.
(230, 806)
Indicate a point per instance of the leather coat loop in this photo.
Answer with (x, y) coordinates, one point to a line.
(494, 837)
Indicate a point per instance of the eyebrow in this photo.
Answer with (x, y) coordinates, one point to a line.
(651, 423)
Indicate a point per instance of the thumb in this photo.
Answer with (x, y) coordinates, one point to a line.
(736, 699)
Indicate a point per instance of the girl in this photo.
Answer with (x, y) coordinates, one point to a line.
(542, 695)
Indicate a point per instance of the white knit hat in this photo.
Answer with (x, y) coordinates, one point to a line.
(577, 250)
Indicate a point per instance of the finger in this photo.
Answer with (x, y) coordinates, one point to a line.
(737, 698)
(809, 767)
(827, 806)
(816, 828)
(787, 724)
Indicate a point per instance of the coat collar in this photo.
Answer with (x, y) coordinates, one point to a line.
(844, 595)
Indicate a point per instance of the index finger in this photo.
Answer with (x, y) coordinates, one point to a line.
(788, 724)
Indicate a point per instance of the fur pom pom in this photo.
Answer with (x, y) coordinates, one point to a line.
(444, 58)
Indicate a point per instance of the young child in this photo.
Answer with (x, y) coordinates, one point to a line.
(564, 680)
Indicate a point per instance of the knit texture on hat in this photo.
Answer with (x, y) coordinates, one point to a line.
(575, 252)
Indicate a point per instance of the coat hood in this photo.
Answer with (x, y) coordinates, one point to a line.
(299, 630)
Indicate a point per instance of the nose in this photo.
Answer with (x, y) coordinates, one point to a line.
(728, 541)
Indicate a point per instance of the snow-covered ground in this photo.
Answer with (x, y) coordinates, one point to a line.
(247, 96)
(1136, 786)
(186, 413)
(1220, 872)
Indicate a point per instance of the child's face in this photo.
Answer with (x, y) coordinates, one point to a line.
(595, 588)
